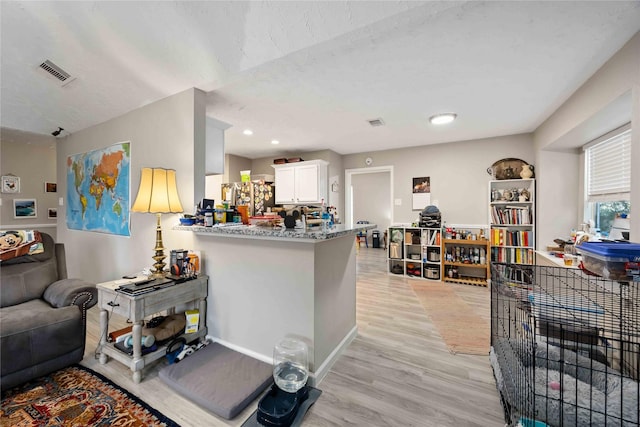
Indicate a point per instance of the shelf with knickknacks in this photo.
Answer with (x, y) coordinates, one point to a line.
(510, 195)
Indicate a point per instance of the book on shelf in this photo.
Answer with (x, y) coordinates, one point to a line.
(515, 276)
(503, 236)
(512, 255)
(511, 214)
(435, 238)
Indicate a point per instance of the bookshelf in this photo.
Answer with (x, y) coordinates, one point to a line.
(512, 220)
(465, 261)
(414, 252)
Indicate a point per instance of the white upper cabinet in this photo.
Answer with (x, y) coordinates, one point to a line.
(301, 183)
(285, 185)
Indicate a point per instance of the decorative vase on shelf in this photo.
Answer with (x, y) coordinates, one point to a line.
(527, 171)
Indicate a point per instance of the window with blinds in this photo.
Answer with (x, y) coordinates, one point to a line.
(608, 167)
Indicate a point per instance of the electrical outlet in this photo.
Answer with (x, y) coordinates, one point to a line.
(397, 202)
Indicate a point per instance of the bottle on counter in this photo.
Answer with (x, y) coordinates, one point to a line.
(208, 219)
(325, 221)
(324, 216)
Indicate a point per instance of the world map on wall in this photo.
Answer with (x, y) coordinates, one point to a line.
(98, 190)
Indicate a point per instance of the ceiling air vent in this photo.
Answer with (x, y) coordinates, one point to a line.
(56, 72)
(376, 122)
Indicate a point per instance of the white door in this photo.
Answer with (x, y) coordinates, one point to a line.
(285, 185)
(307, 184)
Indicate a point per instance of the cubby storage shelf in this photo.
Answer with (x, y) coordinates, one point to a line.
(414, 252)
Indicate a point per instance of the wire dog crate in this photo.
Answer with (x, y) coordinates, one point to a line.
(565, 347)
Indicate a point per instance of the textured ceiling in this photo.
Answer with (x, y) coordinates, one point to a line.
(309, 74)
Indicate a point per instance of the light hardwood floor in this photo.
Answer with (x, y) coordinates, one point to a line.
(397, 372)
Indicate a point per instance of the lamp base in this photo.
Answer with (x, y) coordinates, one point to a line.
(158, 267)
(158, 275)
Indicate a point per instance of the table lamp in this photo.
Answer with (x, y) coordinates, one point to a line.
(157, 194)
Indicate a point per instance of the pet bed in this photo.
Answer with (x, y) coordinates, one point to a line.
(587, 392)
(218, 379)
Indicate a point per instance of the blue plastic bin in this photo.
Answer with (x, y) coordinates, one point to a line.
(615, 261)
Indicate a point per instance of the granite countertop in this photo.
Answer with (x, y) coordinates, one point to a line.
(277, 233)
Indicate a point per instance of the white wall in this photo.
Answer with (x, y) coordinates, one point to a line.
(234, 165)
(214, 187)
(558, 198)
(607, 100)
(458, 172)
(169, 133)
(32, 157)
(215, 146)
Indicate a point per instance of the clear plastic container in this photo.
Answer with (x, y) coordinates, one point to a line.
(290, 364)
(612, 261)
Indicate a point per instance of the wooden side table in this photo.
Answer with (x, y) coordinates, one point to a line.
(137, 307)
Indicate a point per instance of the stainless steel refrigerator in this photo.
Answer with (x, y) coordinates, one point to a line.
(258, 196)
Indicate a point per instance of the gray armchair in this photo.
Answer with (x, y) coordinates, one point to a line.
(42, 315)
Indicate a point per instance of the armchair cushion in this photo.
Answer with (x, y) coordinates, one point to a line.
(33, 333)
(24, 282)
(71, 291)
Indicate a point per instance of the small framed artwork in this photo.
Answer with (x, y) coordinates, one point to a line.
(421, 193)
(24, 208)
(50, 187)
(52, 213)
(10, 184)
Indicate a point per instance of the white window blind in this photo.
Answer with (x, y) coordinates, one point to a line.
(609, 168)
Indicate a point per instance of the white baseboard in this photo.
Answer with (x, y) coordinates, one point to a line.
(324, 369)
(314, 377)
(251, 353)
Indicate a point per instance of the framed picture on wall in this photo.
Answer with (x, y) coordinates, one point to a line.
(52, 213)
(10, 184)
(50, 187)
(24, 208)
(421, 193)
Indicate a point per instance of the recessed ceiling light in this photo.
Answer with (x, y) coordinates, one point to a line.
(247, 132)
(275, 142)
(442, 118)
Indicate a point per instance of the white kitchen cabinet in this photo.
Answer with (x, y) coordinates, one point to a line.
(301, 183)
(285, 185)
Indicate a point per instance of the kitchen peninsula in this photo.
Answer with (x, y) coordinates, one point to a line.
(266, 283)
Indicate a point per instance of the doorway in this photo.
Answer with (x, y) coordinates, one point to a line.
(369, 196)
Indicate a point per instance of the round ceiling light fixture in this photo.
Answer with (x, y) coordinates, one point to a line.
(247, 132)
(442, 118)
(275, 142)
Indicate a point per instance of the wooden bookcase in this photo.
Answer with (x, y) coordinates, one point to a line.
(466, 261)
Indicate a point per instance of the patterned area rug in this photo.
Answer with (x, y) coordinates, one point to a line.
(76, 396)
(462, 330)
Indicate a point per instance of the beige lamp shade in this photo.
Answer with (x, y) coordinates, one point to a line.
(158, 192)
